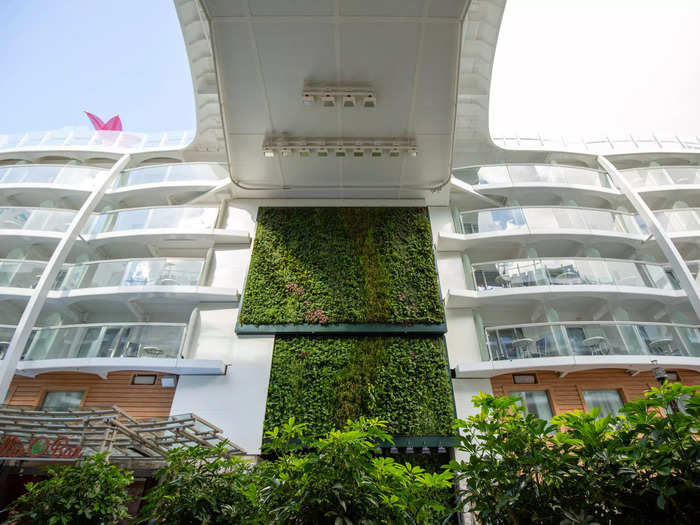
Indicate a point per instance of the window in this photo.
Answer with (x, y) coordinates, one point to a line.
(62, 400)
(609, 401)
(536, 402)
(144, 380)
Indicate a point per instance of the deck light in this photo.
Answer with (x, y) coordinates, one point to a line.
(304, 152)
(425, 450)
(328, 100)
(376, 153)
(269, 152)
(393, 450)
(308, 99)
(322, 152)
(358, 152)
(348, 101)
(442, 450)
(395, 152)
(340, 151)
(409, 450)
(370, 101)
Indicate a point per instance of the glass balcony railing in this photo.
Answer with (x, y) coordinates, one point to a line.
(542, 218)
(44, 219)
(662, 176)
(170, 217)
(171, 173)
(571, 271)
(592, 339)
(20, 274)
(76, 176)
(507, 174)
(142, 272)
(694, 267)
(6, 333)
(111, 340)
(679, 220)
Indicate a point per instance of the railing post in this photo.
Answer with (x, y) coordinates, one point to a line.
(38, 298)
(689, 285)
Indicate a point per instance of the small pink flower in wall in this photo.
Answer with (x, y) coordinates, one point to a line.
(113, 124)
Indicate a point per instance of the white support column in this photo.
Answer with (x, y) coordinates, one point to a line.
(36, 301)
(680, 269)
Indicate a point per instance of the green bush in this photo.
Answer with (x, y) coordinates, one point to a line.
(342, 265)
(641, 467)
(324, 381)
(203, 485)
(87, 492)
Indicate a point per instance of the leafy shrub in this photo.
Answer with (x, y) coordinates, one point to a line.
(203, 485)
(338, 479)
(324, 381)
(342, 265)
(640, 467)
(87, 492)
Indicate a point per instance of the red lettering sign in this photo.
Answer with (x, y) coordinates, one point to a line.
(39, 447)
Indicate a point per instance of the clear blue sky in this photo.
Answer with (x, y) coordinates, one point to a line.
(109, 57)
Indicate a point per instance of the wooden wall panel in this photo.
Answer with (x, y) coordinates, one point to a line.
(565, 393)
(140, 401)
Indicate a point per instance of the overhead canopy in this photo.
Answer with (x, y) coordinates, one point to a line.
(406, 51)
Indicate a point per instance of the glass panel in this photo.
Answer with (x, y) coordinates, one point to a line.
(535, 403)
(130, 220)
(625, 273)
(508, 219)
(20, 274)
(609, 401)
(62, 400)
(690, 338)
(662, 340)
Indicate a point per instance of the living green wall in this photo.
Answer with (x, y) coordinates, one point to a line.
(342, 265)
(323, 381)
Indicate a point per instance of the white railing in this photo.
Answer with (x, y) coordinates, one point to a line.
(77, 176)
(662, 176)
(514, 174)
(85, 138)
(170, 217)
(29, 218)
(164, 173)
(20, 273)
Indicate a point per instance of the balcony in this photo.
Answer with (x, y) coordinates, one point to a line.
(567, 347)
(191, 173)
(475, 227)
(681, 221)
(48, 175)
(650, 179)
(545, 175)
(187, 223)
(511, 281)
(20, 273)
(35, 219)
(101, 348)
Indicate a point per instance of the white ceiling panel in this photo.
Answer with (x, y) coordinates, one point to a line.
(216, 8)
(382, 7)
(447, 8)
(292, 7)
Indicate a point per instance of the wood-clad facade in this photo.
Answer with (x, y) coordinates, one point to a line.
(565, 393)
(140, 401)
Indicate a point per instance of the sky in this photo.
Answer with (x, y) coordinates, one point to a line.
(571, 67)
(592, 67)
(60, 57)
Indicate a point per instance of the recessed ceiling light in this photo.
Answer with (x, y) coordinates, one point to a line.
(268, 152)
(304, 152)
(370, 101)
(307, 99)
(358, 152)
(322, 152)
(340, 152)
(376, 153)
(413, 152)
(328, 101)
(348, 101)
(395, 152)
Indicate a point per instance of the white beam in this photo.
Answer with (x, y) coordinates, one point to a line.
(680, 269)
(36, 301)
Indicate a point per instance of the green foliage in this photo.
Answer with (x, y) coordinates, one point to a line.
(342, 265)
(89, 491)
(338, 479)
(200, 485)
(642, 466)
(324, 381)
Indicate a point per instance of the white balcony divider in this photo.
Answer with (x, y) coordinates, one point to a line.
(518, 273)
(164, 271)
(592, 338)
(41, 219)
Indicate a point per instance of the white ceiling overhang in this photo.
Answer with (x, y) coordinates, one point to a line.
(406, 51)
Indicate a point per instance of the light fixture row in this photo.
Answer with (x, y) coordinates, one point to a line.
(347, 97)
(357, 148)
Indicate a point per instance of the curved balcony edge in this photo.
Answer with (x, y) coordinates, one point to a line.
(461, 298)
(457, 242)
(173, 234)
(506, 186)
(102, 366)
(568, 364)
(203, 293)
